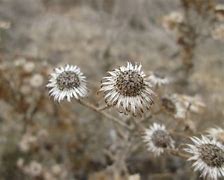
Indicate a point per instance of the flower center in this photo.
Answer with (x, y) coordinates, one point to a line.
(212, 155)
(161, 139)
(130, 83)
(68, 80)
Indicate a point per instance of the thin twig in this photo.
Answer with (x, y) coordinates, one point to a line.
(178, 153)
(31, 111)
(103, 107)
(94, 108)
(161, 175)
(109, 154)
(150, 116)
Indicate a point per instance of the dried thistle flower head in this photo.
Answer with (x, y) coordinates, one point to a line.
(59, 171)
(20, 61)
(29, 67)
(219, 11)
(34, 169)
(158, 80)
(36, 80)
(169, 105)
(192, 103)
(218, 32)
(216, 133)
(172, 20)
(208, 157)
(27, 142)
(173, 106)
(179, 105)
(67, 82)
(158, 139)
(128, 89)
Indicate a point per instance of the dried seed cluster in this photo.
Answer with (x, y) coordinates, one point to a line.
(157, 139)
(161, 139)
(130, 83)
(208, 156)
(129, 89)
(68, 80)
(212, 155)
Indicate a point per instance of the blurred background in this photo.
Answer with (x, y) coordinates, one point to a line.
(42, 139)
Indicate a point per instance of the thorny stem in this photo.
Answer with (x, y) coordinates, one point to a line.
(94, 108)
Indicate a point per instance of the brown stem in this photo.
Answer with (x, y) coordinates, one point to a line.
(178, 153)
(103, 107)
(94, 108)
(161, 176)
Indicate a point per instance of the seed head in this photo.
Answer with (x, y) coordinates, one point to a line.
(208, 157)
(158, 139)
(128, 89)
(67, 82)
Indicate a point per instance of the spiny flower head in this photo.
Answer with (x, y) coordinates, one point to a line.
(34, 169)
(192, 103)
(157, 139)
(179, 105)
(208, 157)
(158, 80)
(172, 106)
(128, 89)
(219, 11)
(67, 82)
